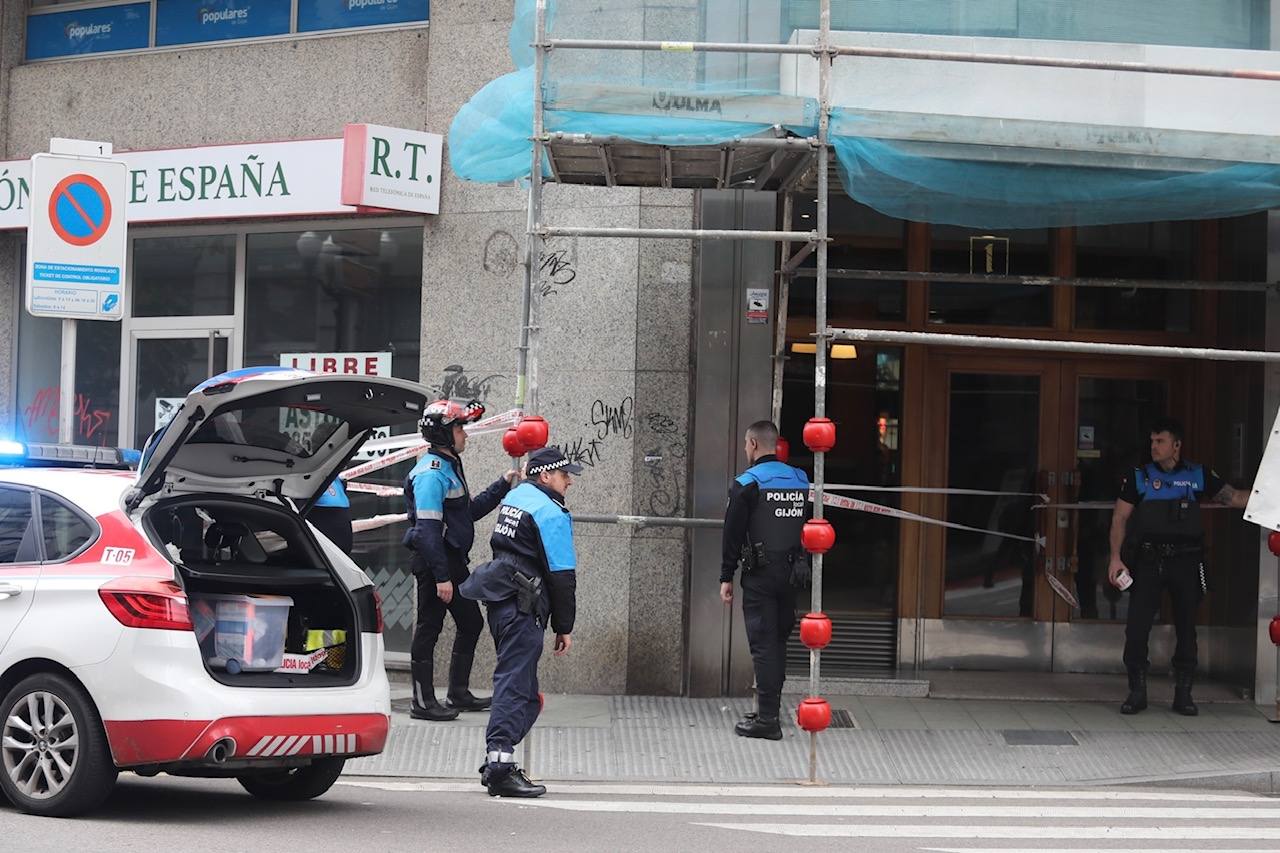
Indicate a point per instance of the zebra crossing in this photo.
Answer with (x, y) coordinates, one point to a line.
(937, 820)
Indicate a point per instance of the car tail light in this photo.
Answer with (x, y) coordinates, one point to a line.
(369, 608)
(147, 603)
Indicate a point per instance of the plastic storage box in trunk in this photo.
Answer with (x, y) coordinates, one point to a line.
(264, 602)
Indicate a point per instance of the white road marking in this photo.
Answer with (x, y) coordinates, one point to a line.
(1046, 812)
(821, 793)
(888, 830)
(1095, 850)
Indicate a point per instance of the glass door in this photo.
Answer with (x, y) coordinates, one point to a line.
(1001, 425)
(1109, 410)
(164, 366)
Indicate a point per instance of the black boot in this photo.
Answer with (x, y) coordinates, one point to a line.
(504, 778)
(761, 727)
(424, 705)
(1137, 699)
(460, 696)
(1182, 703)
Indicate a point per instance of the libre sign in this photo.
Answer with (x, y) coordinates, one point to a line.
(391, 168)
(76, 238)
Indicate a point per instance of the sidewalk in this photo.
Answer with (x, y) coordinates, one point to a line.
(910, 741)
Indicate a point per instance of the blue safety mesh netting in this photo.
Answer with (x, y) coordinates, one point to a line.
(678, 97)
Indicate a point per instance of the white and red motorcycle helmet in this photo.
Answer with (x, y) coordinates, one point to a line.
(439, 417)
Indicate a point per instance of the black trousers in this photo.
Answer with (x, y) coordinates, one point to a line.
(518, 638)
(335, 523)
(769, 611)
(431, 610)
(1180, 573)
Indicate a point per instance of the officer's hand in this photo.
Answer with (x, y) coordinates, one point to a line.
(726, 592)
(511, 477)
(564, 642)
(444, 591)
(1114, 570)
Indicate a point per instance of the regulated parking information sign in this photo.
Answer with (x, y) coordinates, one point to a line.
(76, 240)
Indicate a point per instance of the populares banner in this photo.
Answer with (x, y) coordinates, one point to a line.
(192, 21)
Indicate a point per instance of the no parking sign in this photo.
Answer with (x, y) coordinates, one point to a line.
(76, 241)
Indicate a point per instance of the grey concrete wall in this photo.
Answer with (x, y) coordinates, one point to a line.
(612, 372)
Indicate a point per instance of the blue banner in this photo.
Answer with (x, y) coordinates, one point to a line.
(192, 21)
(88, 31)
(340, 14)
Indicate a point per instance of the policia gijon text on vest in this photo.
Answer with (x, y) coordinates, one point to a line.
(1157, 539)
(768, 506)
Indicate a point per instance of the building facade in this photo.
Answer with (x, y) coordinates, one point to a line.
(648, 365)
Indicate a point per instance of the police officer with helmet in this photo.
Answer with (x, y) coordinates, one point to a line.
(1157, 542)
(768, 506)
(443, 516)
(530, 583)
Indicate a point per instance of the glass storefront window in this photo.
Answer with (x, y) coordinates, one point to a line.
(334, 291)
(864, 398)
(184, 276)
(330, 290)
(168, 368)
(97, 402)
(963, 250)
(993, 444)
(1148, 250)
(861, 239)
(1191, 23)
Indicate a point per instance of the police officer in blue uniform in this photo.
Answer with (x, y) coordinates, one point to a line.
(768, 506)
(332, 516)
(443, 516)
(530, 583)
(1157, 535)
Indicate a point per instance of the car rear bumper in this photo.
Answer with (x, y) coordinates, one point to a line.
(145, 742)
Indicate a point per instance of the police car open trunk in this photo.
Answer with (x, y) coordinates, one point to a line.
(223, 490)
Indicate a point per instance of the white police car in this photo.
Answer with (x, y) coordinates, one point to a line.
(168, 621)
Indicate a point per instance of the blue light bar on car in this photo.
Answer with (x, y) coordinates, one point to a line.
(12, 448)
(68, 456)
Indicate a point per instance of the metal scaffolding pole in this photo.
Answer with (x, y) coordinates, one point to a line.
(680, 233)
(560, 137)
(1035, 280)
(533, 237)
(1041, 345)
(826, 48)
(825, 57)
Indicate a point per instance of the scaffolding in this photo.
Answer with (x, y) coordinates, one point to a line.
(782, 162)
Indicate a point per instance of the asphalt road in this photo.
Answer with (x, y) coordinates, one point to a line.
(369, 814)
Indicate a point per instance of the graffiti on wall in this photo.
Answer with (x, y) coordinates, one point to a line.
(40, 416)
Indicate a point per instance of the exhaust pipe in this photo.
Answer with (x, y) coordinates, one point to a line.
(222, 750)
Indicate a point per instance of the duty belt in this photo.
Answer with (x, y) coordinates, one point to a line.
(1170, 549)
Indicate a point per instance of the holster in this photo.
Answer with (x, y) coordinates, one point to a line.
(531, 598)
(801, 569)
(752, 558)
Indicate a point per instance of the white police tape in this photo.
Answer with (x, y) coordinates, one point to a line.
(409, 446)
(928, 490)
(363, 525)
(836, 501)
(842, 502)
(384, 461)
(376, 489)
